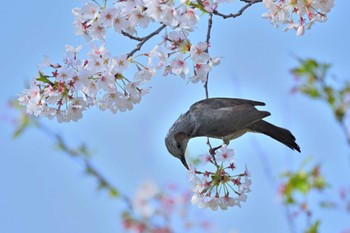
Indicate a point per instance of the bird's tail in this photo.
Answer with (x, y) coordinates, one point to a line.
(280, 134)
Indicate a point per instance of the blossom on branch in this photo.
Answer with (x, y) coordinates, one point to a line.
(297, 14)
(93, 21)
(220, 188)
(75, 85)
(178, 45)
(152, 207)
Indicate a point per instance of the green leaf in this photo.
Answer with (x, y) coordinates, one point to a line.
(84, 150)
(300, 182)
(314, 228)
(289, 200)
(320, 183)
(198, 6)
(44, 79)
(340, 113)
(330, 95)
(114, 193)
(311, 91)
(311, 70)
(23, 125)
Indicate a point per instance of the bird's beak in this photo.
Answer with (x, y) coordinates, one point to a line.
(183, 160)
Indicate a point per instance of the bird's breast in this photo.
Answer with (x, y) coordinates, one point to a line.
(234, 135)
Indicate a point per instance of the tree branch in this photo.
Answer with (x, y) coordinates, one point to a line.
(124, 33)
(83, 154)
(104, 183)
(144, 39)
(240, 12)
(210, 25)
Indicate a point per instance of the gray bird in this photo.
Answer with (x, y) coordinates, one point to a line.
(222, 118)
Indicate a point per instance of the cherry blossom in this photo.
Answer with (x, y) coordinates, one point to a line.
(155, 204)
(99, 79)
(225, 154)
(76, 85)
(297, 14)
(107, 16)
(198, 52)
(64, 90)
(179, 66)
(219, 188)
(141, 202)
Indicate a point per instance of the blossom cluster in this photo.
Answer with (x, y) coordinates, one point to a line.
(297, 14)
(75, 85)
(219, 189)
(175, 54)
(92, 20)
(153, 206)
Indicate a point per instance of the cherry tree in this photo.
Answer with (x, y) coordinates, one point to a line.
(66, 89)
(116, 82)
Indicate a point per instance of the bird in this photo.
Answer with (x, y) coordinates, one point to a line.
(226, 119)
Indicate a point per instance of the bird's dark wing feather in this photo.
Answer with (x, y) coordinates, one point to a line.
(219, 117)
(225, 102)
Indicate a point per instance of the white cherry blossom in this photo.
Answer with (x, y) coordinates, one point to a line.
(297, 14)
(219, 188)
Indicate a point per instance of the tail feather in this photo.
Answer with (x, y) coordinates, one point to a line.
(280, 134)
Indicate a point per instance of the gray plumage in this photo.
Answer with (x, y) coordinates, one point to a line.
(222, 118)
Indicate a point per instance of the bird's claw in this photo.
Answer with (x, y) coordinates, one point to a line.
(212, 151)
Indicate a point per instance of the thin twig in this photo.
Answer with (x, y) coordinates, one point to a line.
(210, 25)
(124, 33)
(240, 12)
(144, 39)
(87, 165)
(290, 220)
(104, 182)
(212, 152)
(345, 130)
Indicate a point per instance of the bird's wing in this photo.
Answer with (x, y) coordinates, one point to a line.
(225, 102)
(220, 117)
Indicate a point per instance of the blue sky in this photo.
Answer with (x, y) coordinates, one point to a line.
(41, 190)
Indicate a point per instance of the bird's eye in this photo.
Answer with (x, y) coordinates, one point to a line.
(178, 145)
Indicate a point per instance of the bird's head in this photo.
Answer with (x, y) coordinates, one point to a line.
(176, 143)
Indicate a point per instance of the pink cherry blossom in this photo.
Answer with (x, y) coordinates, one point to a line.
(179, 66)
(219, 188)
(289, 12)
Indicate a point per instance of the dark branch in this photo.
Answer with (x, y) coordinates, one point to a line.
(83, 156)
(104, 183)
(144, 39)
(131, 36)
(212, 152)
(240, 12)
(210, 25)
